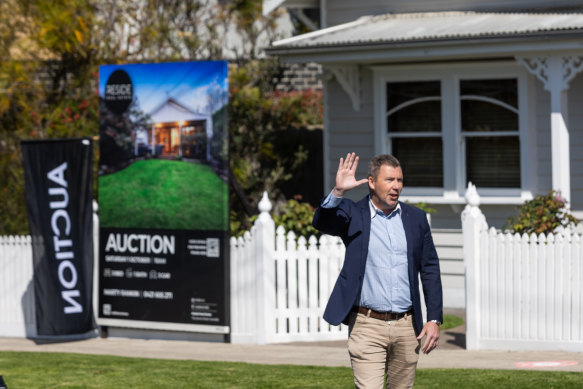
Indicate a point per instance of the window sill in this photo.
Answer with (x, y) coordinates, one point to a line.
(460, 200)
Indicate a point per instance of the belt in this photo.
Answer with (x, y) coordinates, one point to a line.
(386, 316)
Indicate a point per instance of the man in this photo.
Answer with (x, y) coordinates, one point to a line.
(388, 244)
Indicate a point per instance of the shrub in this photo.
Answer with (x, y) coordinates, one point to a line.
(296, 216)
(543, 214)
(427, 208)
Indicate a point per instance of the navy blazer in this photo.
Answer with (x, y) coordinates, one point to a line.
(351, 222)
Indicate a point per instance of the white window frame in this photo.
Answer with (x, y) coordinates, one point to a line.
(454, 165)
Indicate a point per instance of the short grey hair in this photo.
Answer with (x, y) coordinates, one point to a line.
(377, 161)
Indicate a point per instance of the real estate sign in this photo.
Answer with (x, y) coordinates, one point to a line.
(163, 196)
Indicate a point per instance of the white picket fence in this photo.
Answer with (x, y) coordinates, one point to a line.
(16, 290)
(280, 284)
(523, 292)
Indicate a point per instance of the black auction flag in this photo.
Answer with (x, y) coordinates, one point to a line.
(59, 196)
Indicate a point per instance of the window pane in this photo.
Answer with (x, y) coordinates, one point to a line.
(505, 91)
(421, 116)
(481, 105)
(421, 160)
(493, 162)
(488, 117)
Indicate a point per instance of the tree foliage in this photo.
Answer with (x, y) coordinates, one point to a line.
(260, 160)
(49, 58)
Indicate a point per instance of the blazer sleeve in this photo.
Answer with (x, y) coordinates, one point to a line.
(333, 221)
(431, 277)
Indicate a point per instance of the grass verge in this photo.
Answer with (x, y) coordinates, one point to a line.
(60, 370)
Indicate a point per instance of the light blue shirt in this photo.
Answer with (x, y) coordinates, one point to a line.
(386, 279)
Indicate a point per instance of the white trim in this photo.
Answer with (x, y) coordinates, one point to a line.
(478, 134)
(429, 51)
(529, 169)
(317, 33)
(454, 174)
(451, 139)
(348, 76)
(411, 102)
(420, 134)
(270, 5)
(326, 138)
(491, 101)
(323, 14)
(456, 200)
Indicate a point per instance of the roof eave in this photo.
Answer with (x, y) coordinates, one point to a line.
(486, 46)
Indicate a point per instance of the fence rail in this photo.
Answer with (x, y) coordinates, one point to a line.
(524, 292)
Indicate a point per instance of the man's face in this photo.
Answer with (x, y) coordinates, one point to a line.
(386, 188)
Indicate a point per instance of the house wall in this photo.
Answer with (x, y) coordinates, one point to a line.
(343, 11)
(347, 130)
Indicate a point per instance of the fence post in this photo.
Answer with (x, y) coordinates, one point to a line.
(264, 240)
(473, 222)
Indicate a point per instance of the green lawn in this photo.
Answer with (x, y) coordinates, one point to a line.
(451, 321)
(58, 370)
(164, 194)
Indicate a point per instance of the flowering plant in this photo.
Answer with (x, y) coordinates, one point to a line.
(543, 214)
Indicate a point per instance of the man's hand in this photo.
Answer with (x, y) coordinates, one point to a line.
(432, 331)
(345, 176)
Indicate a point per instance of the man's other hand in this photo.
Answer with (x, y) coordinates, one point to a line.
(431, 331)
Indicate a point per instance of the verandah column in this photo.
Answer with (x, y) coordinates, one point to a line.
(556, 71)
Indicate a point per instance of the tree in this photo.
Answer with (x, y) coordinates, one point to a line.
(49, 58)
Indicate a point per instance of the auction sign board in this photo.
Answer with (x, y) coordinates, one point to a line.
(163, 196)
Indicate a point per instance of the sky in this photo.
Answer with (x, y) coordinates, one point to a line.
(186, 82)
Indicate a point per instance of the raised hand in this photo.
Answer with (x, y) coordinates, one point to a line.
(345, 176)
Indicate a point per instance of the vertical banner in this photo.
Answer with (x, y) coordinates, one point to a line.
(59, 196)
(163, 196)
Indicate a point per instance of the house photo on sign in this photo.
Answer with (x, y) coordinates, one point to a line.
(163, 195)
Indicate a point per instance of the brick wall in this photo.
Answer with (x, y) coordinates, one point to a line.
(299, 77)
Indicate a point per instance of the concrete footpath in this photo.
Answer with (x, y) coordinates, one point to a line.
(450, 354)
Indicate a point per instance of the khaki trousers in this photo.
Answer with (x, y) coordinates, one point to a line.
(378, 347)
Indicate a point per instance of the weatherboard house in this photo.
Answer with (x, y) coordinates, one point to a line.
(177, 131)
(481, 91)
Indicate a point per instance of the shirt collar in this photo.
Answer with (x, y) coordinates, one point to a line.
(374, 210)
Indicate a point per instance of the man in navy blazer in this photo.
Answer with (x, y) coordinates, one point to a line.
(388, 245)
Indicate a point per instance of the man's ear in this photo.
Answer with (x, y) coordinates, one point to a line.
(370, 183)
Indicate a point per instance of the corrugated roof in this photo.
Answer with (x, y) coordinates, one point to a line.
(415, 27)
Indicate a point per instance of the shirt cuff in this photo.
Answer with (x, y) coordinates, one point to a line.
(331, 201)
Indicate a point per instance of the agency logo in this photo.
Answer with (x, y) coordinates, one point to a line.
(119, 92)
